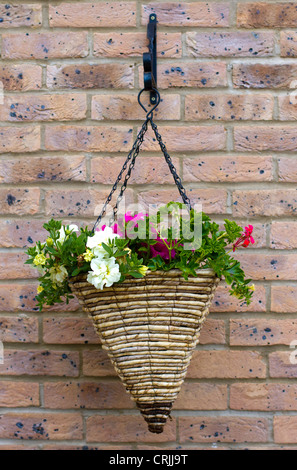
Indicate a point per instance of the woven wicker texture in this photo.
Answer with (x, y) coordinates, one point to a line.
(149, 328)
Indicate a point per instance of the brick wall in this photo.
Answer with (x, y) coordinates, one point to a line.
(71, 72)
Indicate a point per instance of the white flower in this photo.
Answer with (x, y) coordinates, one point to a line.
(58, 274)
(102, 236)
(105, 272)
(71, 228)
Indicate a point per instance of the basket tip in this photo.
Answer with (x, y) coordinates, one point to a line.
(155, 414)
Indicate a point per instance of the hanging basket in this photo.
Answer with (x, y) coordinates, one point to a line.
(149, 328)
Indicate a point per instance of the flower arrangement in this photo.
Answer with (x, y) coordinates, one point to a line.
(135, 244)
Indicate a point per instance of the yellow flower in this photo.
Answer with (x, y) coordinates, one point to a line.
(39, 260)
(49, 241)
(39, 289)
(252, 287)
(143, 269)
(88, 256)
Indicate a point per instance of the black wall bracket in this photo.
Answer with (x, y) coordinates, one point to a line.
(150, 59)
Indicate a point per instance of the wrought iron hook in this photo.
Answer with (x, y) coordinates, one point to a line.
(150, 59)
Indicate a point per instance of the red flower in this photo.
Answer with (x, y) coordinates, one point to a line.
(245, 239)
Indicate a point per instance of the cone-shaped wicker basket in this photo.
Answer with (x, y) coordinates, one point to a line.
(150, 327)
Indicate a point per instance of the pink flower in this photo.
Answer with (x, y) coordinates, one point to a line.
(245, 239)
(160, 248)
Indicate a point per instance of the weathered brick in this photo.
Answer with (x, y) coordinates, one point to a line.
(93, 15)
(285, 429)
(19, 139)
(187, 139)
(59, 330)
(190, 75)
(105, 170)
(18, 329)
(283, 364)
(261, 138)
(268, 267)
(288, 46)
(235, 168)
(287, 170)
(41, 426)
(45, 45)
(262, 332)
(22, 108)
(201, 396)
(266, 14)
(40, 362)
(12, 267)
(223, 429)
(213, 332)
(114, 44)
(88, 138)
(19, 394)
(21, 233)
(20, 77)
(228, 107)
(19, 201)
(280, 76)
(224, 302)
(16, 16)
(263, 397)
(18, 297)
(188, 14)
(283, 235)
(109, 428)
(265, 203)
(96, 363)
(283, 299)
(226, 364)
(86, 395)
(121, 107)
(230, 44)
(87, 76)
(212, 200)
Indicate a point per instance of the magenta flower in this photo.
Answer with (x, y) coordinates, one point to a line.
(161, 248)
(245, 239)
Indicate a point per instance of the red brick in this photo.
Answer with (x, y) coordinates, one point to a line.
(19, 201)
(96, 363)
(86, 395)
(268, 267)
(262, 332)
(283, 235)
(18, 329)
(121, 107)
(229, 107)
(105, 170)
(187, 139)
(235, 168)
(22, 108)
(287, 107)
(109, 428)
(45, 45)
(190, 75)
(19, 139)
(230, 44)
(213, 200)
(213, 332)
(223, 429)
(18, 297)
(225, 364)
(202, 396)
(12, 267)
(114, 44)
(281, 364)
(87, 76)
(224, 302)
(21, 77)
(92, 15)
(15, 16)
(70, 330)
(41, 426)
(18, 234)
(265, 203)
(288, 46)
(285, 429)
(261, 138)
(40, 362)
(88, 138)
(19, 394)
(287, 170)
(263, 397)
(188, 14)
(264, 75)
(263, 14)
